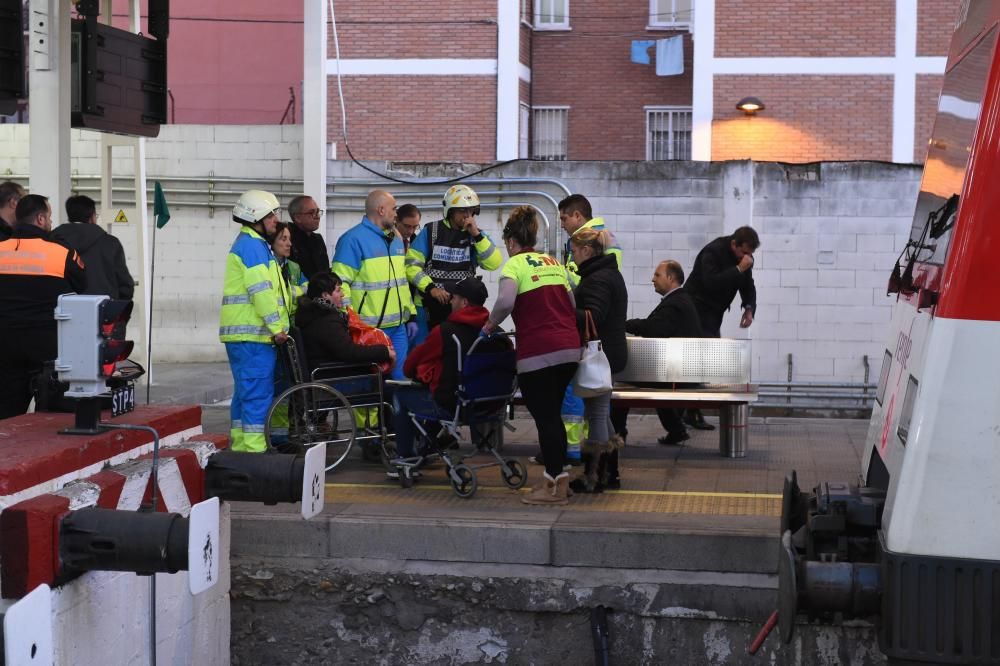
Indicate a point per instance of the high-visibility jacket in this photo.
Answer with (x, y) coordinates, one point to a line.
(254, 295)
(370, 261)
(615, 249)
(34, 272)
(444, 255)
(295, 285)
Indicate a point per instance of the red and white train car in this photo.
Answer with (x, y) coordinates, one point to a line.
(918, 541)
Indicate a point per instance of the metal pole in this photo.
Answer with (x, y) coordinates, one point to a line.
(149, 342)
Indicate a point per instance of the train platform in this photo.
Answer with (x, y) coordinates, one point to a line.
(680, 507)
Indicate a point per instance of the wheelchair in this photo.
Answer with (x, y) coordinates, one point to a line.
(324, 405)
(487, 382)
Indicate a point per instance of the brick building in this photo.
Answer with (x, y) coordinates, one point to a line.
(484, 80)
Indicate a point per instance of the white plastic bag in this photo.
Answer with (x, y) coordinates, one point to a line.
(593, 375)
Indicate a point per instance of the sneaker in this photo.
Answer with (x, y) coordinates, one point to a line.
(674, 438)
(613, 484)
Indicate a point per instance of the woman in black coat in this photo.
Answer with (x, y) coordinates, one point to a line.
(324, 327)
(603, 294)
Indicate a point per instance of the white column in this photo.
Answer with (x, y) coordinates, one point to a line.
(50, 101)
(508, 67)
(314, 139)
(904, 83)
(702, 94)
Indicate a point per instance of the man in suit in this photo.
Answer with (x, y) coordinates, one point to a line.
(674, 317)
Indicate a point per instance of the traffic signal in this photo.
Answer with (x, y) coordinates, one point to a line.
(91, 331)
(12, 65)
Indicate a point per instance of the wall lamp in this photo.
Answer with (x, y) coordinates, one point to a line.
(750, 105)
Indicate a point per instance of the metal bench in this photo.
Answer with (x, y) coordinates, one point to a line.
(692, 373)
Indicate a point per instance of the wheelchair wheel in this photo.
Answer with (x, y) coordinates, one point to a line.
(463, 481)
(515, 474)
(307, 414)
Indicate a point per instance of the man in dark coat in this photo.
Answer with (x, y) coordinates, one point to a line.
(34, 272)
(674, 317)
(102, 253)
(723, 268)
(308, 247)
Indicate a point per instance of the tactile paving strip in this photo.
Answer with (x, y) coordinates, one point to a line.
(627, 501)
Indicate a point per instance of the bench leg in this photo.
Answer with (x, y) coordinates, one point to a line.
(734, 432)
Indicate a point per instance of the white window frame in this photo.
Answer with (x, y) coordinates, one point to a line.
(527, 13)
(523, 131)
(649, 110)
(537, 17)
(535, 134)
(656, 23)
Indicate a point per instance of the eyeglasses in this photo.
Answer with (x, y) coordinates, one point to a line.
(317, 212)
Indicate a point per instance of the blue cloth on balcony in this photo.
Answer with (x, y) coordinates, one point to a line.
(640, 51)
(669, 56)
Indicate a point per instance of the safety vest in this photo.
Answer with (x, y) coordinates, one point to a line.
(295, 286)
(371, 264)
(444, 255)
(254, 296)
(543, 313)
(615, 249)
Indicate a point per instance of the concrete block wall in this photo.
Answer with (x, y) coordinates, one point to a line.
(830, 233)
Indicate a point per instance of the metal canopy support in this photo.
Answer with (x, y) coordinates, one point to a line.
(314, 138)
(50, 101)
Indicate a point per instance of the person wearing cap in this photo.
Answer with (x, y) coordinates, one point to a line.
(447, 251)
(253, 318)
(434, 363)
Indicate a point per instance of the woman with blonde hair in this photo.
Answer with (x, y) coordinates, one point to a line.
(603, 296)
(534, 290)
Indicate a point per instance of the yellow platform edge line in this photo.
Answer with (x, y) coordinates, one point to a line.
(655, 493)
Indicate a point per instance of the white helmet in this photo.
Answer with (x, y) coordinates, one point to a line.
(460, 196)
(254, 206)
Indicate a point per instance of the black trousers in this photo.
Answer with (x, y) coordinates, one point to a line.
(670, 419)
(543, 392)
(26, 350)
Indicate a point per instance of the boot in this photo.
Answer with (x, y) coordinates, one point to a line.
(551, 492)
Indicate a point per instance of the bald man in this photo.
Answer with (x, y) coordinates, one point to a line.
(369, 259)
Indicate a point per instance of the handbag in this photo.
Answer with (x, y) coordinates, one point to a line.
(593, 375)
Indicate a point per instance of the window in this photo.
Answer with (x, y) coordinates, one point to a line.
(671, 14)
(551, 14)
(523, 131)
(906, 413)
(526, 11)
(883, 378)
(668, 133)
(549, 130)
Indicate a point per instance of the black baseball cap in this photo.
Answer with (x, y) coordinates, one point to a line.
(471, 288)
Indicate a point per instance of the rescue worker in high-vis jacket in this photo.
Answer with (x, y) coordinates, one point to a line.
(575, 213)
(448, 251)
(254, 318)
(34, 272)
(369, 258)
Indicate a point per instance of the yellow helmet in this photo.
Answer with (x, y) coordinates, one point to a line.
(460, 196)
(254, 206)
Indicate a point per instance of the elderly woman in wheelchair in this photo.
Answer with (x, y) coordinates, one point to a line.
(331, 378)
(458, 379)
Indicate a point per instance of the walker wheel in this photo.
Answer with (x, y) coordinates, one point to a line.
(463, 481)
(405, 477)
(515, 474)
